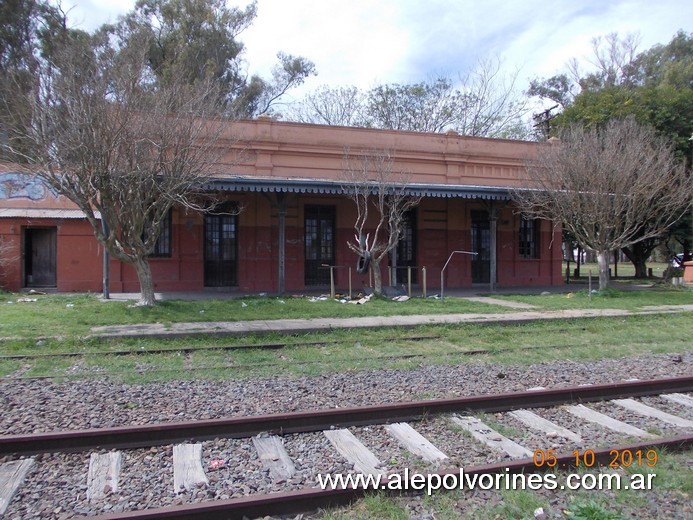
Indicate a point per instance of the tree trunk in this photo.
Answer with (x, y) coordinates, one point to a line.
(640, 268)
(377, 278)
(638, 254)
(144, 275)
(603, 261)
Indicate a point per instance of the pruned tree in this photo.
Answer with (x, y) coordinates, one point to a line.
(119, 146)
(611, 187)
(381, 199)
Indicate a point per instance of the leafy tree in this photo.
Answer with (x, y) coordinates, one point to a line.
(422, 107)
(611, 186)
(667, 65)
(29, 29)
(198, 39)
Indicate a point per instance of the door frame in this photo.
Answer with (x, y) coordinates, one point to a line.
(28, 257)
(313, 272)
(221, 280)
(480, 232)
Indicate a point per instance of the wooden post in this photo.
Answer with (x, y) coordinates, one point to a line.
(423, 275)
(281, 211)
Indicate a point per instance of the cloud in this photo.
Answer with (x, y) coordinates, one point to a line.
(365, 42)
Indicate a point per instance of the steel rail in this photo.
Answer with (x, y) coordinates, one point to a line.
(307, 421)
(310, 499)
(187, 350)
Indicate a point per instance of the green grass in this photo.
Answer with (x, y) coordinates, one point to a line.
(372, 507)
(339, 351)
(626, 270)
(75, 315)
(608, 299)
(674, 481)
(519, 504)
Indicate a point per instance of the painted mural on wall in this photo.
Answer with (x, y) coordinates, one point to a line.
(15, 185)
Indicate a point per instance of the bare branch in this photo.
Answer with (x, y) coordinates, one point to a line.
(372, 183)
(609, 187)
(104, 137)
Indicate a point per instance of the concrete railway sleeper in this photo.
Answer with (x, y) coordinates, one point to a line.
(287, 452)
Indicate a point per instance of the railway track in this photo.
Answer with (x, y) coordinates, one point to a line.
(402, 422)
(263, 346)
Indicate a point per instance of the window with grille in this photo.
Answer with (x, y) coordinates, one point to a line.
(529, 238)
(162, 248)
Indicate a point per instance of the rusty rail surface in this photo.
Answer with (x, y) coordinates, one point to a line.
(297, 422)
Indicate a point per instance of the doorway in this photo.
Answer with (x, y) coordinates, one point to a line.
(40, 257)
(481, 244)
(221, 250)
(319, 225)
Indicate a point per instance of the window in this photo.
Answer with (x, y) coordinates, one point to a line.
(529, 238)
(162, 248)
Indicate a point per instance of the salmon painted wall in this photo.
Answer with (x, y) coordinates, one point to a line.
(269, 149)
(443, 225)
(78, 254)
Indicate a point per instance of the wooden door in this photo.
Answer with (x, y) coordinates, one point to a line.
(40, 257)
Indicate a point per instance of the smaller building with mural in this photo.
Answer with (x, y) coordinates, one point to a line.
(296, 220)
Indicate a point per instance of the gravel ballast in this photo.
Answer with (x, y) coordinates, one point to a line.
(56, 486)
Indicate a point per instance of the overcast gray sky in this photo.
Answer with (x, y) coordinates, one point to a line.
(365, 42)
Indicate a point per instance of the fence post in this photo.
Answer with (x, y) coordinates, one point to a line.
(349, 282)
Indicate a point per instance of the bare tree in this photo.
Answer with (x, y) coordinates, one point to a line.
(9, 255)
(379, 192)
(491, 103)
(484, 102)
(610, 187)
(123, 150)
(341, 106)
(613, 58)
(614, 62)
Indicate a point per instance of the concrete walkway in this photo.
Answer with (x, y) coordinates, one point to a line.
(300, 326)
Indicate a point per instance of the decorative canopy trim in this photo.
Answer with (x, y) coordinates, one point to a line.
(266, 185)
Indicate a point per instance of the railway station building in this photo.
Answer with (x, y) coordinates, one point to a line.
(296, 219)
